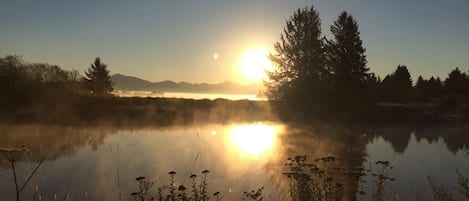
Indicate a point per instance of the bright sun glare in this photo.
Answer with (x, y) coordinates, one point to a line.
(253, 139)
(254, 64)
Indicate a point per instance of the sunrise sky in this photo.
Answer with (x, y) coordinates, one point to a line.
(206, 40)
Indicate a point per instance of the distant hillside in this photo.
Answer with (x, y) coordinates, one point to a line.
(130, 83)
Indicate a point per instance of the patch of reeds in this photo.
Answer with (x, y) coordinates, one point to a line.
(325, 179)
(442, 193)
(318, 180)
(381, 176)
(322, 179)
(197, 191)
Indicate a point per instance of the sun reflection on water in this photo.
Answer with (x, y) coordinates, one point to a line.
(254, 139)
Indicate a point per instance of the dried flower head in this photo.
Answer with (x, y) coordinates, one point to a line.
(181, 188)
(13, 154)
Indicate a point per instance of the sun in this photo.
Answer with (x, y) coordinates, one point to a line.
(254, 65)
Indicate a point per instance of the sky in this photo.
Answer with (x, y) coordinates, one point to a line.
(205, 40)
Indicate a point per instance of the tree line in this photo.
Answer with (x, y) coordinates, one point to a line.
(23, 83)
(399, 87)
(317, 75)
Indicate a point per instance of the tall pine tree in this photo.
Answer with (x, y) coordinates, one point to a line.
(98, 80)
(300, 73)
(346, 56)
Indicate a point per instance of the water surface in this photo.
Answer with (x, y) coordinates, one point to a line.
(102, 163)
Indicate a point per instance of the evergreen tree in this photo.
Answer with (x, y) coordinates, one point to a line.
(98, 79)
(420, 82)
(457, 83)
(397, 86)
(300, 75)
(402, 78)
(372, 84)
(421, 89)
(426, 90)
(346, 56)
(435, 87)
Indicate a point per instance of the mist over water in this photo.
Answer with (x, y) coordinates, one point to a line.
(98, 161)
(187, 95)
(102, 163)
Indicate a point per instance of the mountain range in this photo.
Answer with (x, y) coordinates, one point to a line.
(131, 83)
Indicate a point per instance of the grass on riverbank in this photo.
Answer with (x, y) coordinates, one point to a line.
(135, 111)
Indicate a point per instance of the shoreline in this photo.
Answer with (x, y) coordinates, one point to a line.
(161, 112)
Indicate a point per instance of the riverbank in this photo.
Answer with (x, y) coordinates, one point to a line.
(138, 111)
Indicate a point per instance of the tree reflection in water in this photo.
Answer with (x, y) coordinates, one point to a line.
(232, 152)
